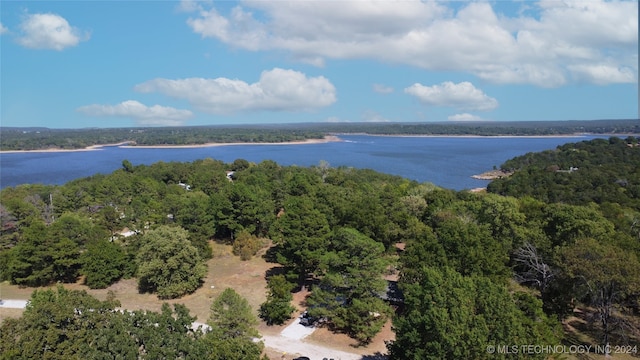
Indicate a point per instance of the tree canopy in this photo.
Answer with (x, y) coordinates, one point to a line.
(542, 242)
(168, 264)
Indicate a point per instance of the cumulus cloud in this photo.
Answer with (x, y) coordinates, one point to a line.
(49, 31)
(276, 90)
(548, 44)
(464, 117)
(382, 89)
(462, 96)
(155, 115)
(3, 29)
(603, 73)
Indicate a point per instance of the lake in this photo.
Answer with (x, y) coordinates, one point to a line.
(445, 161)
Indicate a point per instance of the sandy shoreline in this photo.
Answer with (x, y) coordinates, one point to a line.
(88, 148)
(326, 139)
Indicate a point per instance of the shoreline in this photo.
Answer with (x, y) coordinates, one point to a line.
(334, 137)
(480, 136)
(88, 148)
(326, 139)
(493, 175)
(124, 144)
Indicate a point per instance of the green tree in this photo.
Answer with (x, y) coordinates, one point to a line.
(168, 263)
(109, 217)
(469, 247)
(67, 324)
(167, 334)
(450, 316)
(302, 234)
(77, 228)
(606, 275)
(277, 309)
(348, 294)
(194, 214)
(232, 331)
(232, 317)
(39, 260)
(102, 264)
(566, 223)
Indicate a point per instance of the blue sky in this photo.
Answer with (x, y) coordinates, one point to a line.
(75, 64)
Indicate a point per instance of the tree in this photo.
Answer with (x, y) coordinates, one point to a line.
(450, 316)
(70, 324)
(67, 324)
(193, 213)
(277, 308)
(566, 223)
(168, 263)
(232, 317)
(302, 234)
(349, 292)
(504, 218)
(232, 329)
(109, 217)
(74, 227)
(39, 260)
(470, 248)
(167, 334)
(246, 245)
(605, 275)
(532, 267)
(102, 264)
(127, 166)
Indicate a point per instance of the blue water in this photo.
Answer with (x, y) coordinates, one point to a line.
(445, 161)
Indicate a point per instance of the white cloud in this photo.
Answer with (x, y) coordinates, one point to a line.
(334, 119)
(49, 31)
(462, 96)
(192, 5)
(372, 116)
(142, 114)
(542, 48)
(464, 117)
(603, 74)
(3, 29)
(277, 90)
(382, 89)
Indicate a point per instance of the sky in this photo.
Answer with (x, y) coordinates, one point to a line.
(82, 64)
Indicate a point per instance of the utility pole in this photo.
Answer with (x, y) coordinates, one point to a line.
(51, 207)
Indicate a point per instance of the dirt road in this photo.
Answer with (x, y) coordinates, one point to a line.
(294, 348)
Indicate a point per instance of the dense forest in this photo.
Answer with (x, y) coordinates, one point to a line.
(45, 138)
(507, 267)
(598, 171)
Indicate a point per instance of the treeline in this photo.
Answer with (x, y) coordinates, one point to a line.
(485, 128)
(44, 138)
(70, 324)
(476, 270)
(597, 171)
